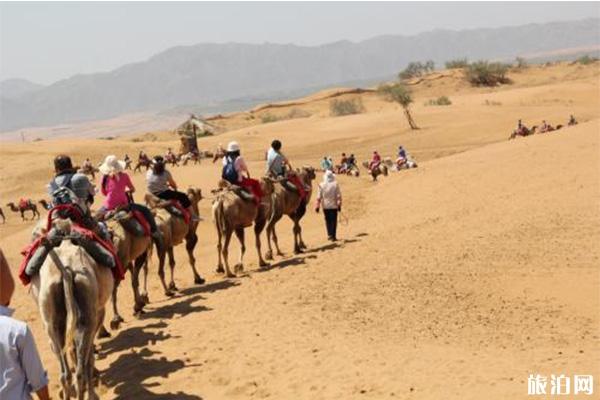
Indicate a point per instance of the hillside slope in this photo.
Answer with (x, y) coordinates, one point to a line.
(206, 74)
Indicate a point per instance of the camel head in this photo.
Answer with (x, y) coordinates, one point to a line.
(195, 195)
(308, 173)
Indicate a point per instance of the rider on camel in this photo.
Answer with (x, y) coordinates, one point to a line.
(402, 158)
(235, 171)
(572, 120)
(375, 161)
(343, 168)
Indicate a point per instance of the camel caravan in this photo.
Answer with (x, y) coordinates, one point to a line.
(522, 130)
(78, 257)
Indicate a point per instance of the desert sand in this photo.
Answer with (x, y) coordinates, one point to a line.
(455, 280)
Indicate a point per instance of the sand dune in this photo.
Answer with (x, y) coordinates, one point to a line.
(453, 280)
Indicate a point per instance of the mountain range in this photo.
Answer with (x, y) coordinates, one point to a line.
(206, 75)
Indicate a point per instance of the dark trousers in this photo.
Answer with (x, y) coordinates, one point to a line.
(147, 214)
(175, 195)
(331, 222)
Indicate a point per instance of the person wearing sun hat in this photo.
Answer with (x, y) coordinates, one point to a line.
(235, 171)
(116, 185)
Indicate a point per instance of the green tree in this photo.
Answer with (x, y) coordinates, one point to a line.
(399, 93)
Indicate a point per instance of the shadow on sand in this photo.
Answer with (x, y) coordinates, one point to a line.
(128, 373)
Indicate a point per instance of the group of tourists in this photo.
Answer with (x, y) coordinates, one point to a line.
(346, 164)
(522, 130)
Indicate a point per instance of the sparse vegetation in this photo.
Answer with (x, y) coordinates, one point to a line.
(292, 114)
(415, 69)
(458, 63)
(521, 63)
(587, 59)
(484, 73)
(345, 107)
(399, 93)
(440, 101)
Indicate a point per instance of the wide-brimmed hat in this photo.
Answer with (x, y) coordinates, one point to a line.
(233, 146)
(111, 165)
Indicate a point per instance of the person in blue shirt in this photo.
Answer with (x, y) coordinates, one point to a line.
(326, 164)
(401, 160)
(277, 163)
(21, 370)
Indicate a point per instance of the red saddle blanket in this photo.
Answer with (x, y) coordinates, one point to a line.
(143, 221)
(186, 214)
(27, 252)
(23, 203)
(299, 185)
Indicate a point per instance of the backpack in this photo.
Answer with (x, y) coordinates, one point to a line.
(65, 195)
(229, 172)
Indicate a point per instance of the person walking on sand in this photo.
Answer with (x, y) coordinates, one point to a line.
(21, 370)
(330, 199)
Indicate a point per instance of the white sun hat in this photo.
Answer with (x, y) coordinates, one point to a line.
(233, 146)
(111, 165)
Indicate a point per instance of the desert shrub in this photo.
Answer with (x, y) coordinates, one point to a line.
(521, 63)
(458, 63)
(484, 73)
(345, 107)
(107, 138)
(415, 69)
(268, 117)
(585, 60)
(297, 113)
(440, 101)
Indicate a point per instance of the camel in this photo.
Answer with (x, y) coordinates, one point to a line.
(172, 159)
(174, 231)
(524, 132)
(134, 253)
(191, 156)
(2, 215)
(27, 205)
(44, 204)
(382, 169)
(142, 162)
(231, 214)
(288, 202)
(71, 291)
(88, 170)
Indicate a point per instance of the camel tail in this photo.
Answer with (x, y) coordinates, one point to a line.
(68, 279)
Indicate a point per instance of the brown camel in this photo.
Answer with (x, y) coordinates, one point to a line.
(382, 169)
(524, 132)
(71, 291)
(27, 205)
(134, 253)
(89, 170)
(2, 215)
(174, 230)
(142, 162)
(231, 214)
(288, 202)
(191, 156)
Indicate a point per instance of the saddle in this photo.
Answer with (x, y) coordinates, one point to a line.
(173, 207)
(24, 203)
(242, 193)
(102, 251)
(132, 221)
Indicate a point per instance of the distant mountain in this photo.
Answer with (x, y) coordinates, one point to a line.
(13, 88)
(210, 74)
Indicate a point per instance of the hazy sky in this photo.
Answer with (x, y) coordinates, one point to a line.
(45, 42)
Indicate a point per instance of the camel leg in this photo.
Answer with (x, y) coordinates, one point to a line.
(239, 267)
(56, 332)
(144, 292)
(297, 230)
(259, 225)
(269, 254)
(161, 272)
(117, 319)
(190, 245)
(83, 347)
(172, 268)
(276, 241)
(219, 251)
(228, 234)
(135, 285)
